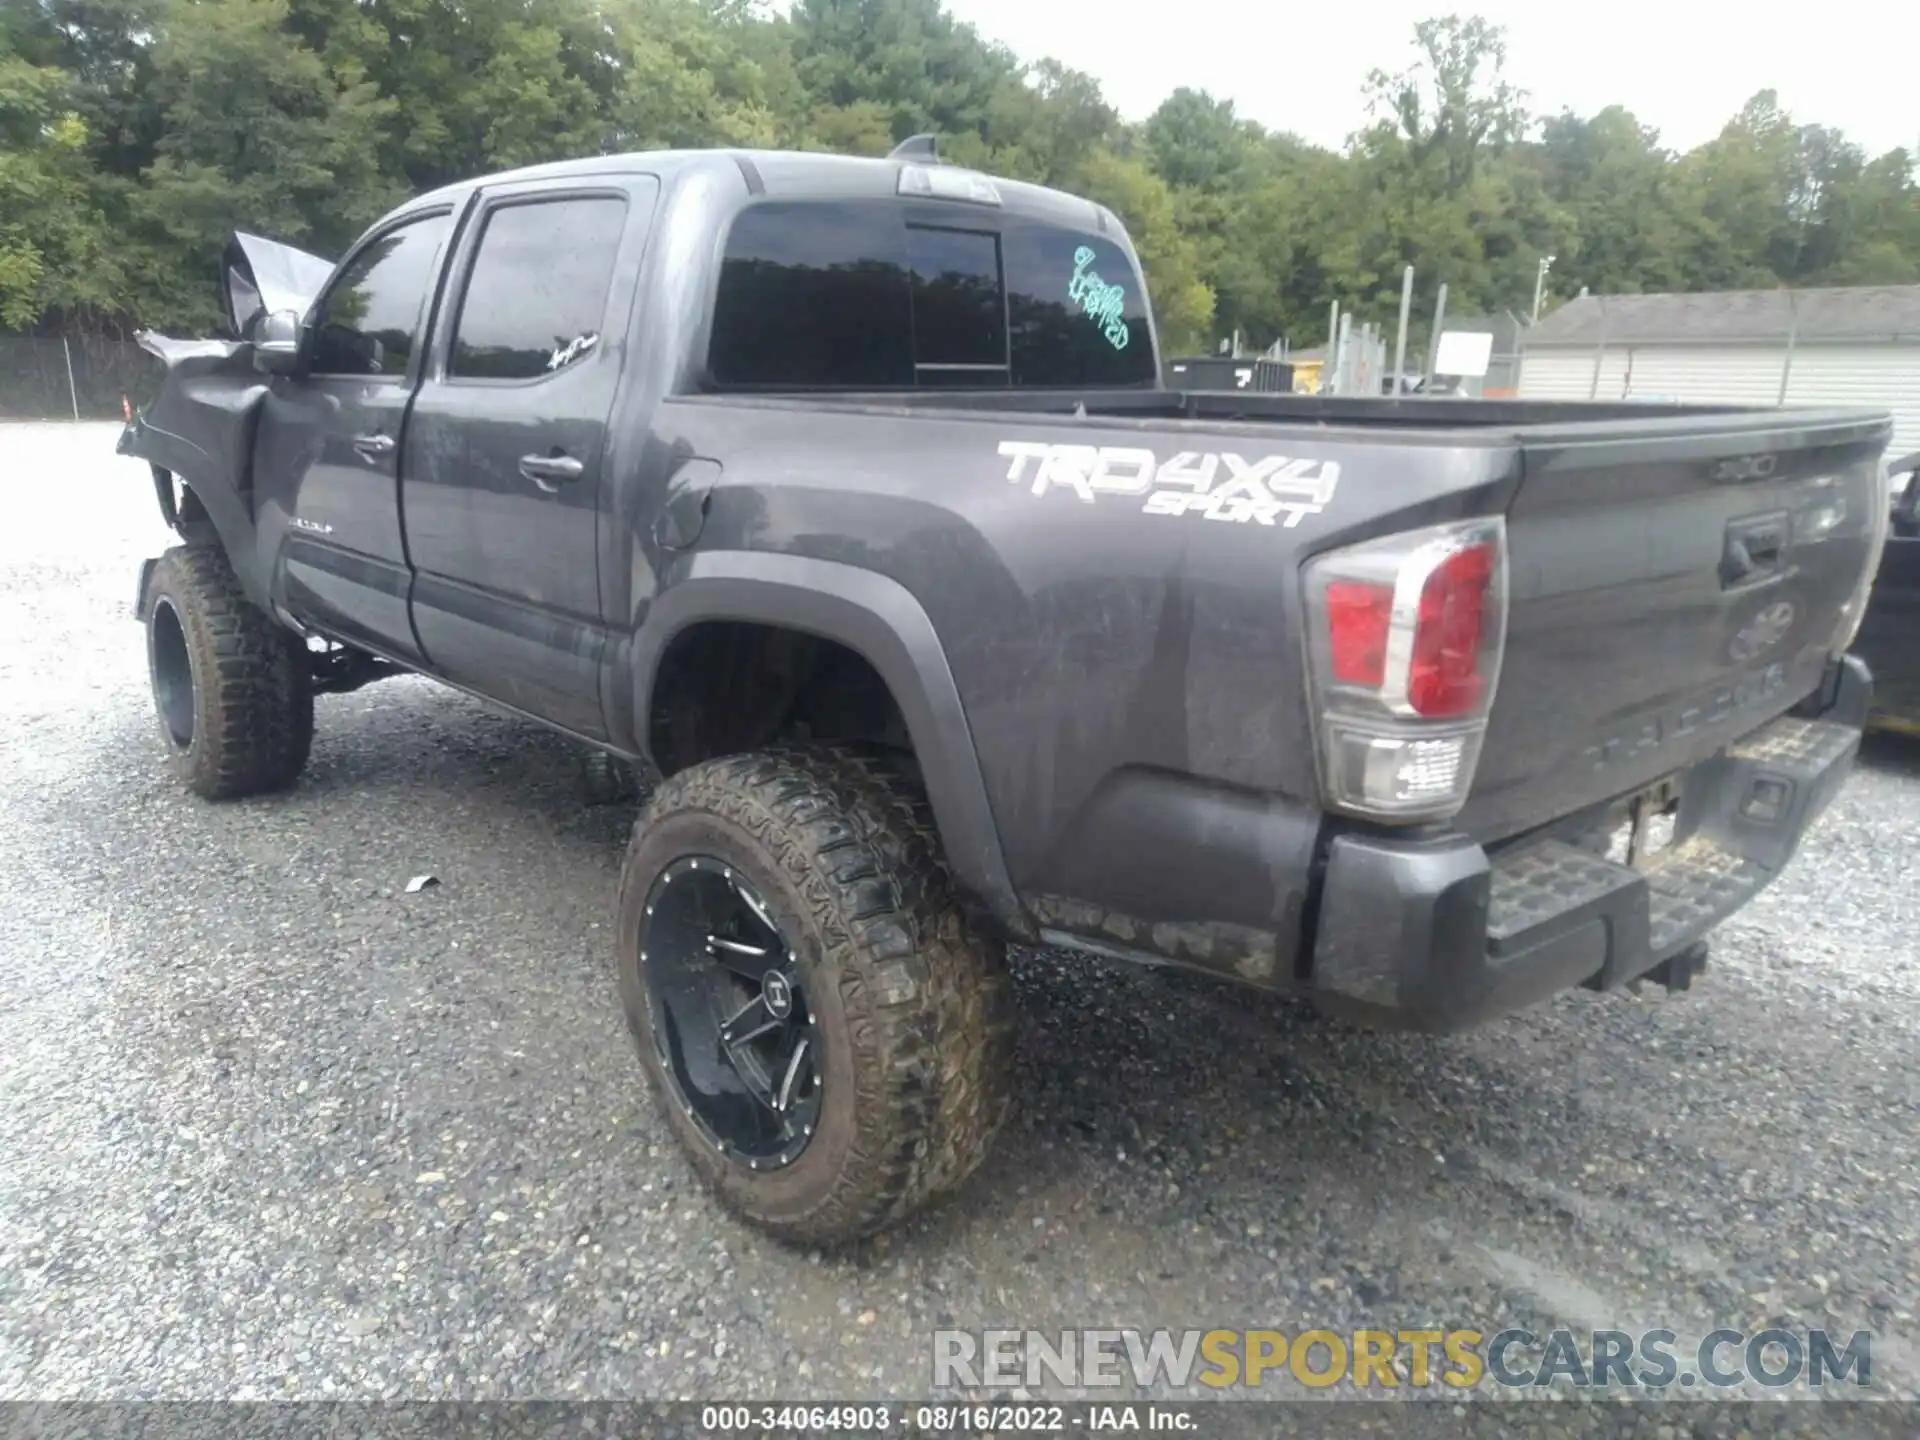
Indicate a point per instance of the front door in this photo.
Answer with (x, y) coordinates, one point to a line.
(502, 470)
(328, 453)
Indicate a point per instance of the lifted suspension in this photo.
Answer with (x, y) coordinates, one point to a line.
(338, 669)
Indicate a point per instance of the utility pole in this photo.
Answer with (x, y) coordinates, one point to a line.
(1333, 339)
(73, 392)
(1793, 334)
(1433, 346)
(1400, 336)
(1599, 353)
(1540, 284)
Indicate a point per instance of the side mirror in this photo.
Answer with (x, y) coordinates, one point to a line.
(276, 342)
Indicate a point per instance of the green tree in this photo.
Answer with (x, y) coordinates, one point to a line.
(469, 86)
(1182, 301)
(1437, 182)
(910, 57)
(56, 251)
(1736, 202)
(135, 133)
(259, 133)
(1613, 185)
(1198, 143)
(1875, 215)
(691, 78)
(106, 48)
(1453, 110)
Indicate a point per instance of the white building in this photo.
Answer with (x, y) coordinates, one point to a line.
(1846, 346)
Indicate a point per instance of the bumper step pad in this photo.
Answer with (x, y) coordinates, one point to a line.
(1548, 884)
(1545, 889)
(1693, 887)
(1809, 746)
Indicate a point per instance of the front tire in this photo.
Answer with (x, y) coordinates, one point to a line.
(231, 687)
(800, 898)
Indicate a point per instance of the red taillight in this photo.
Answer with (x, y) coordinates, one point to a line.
(1357, 617)
(1405, 637)
(1444, 679)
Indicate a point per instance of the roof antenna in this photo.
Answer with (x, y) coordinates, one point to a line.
(916, 147)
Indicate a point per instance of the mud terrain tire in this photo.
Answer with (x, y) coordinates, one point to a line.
(912, 1010)
(230, 685)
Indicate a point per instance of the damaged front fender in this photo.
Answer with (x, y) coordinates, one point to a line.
(200, 428)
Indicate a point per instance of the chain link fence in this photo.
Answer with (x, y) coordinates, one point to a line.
(79, 377)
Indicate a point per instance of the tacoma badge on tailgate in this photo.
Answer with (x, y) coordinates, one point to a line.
(1272, 488)
(1676, 722)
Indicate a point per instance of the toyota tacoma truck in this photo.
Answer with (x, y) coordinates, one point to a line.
(843, 495)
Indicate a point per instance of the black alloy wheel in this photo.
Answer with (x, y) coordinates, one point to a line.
(830, 1041)
(740, 1050)
(172, 674)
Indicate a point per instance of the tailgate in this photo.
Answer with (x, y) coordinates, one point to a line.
(1673, 584)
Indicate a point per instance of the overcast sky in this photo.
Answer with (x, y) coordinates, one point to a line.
(1300, 65)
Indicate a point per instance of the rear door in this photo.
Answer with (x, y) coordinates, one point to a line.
(506, 451)
(1674, 583)
(328, 451)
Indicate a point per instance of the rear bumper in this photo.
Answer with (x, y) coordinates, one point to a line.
(1443, 935)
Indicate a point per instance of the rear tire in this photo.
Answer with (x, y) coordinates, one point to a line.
(909, 1012)
(230, 685)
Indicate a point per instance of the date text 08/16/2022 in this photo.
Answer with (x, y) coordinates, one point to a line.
(955, 1418)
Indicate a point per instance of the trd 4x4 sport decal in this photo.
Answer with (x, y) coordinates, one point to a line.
(1217, 486)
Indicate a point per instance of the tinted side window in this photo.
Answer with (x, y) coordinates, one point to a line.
(1075, 310)
(959, 306)
(369, 322)
(814, 295)
(850, 295)
(537, 294)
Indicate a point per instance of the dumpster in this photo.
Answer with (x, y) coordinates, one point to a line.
(1218, 372)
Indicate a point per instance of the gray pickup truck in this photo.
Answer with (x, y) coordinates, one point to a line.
(842, 495)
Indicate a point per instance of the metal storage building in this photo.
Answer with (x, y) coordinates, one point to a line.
(1858, 345)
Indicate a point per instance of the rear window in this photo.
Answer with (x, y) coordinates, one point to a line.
(959, 303)
(866, 295)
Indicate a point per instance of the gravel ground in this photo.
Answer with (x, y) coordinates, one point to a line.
(271, 1127)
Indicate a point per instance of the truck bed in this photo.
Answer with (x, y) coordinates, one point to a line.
(1100, 631)
(1500, 418)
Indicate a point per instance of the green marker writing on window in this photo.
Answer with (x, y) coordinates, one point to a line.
(1103, 303)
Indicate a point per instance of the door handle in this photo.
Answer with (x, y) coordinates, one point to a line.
(373, 446)
(550, 472)
(1755, 548)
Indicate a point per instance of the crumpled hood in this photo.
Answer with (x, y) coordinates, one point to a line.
(263, 276)
(175, 352)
